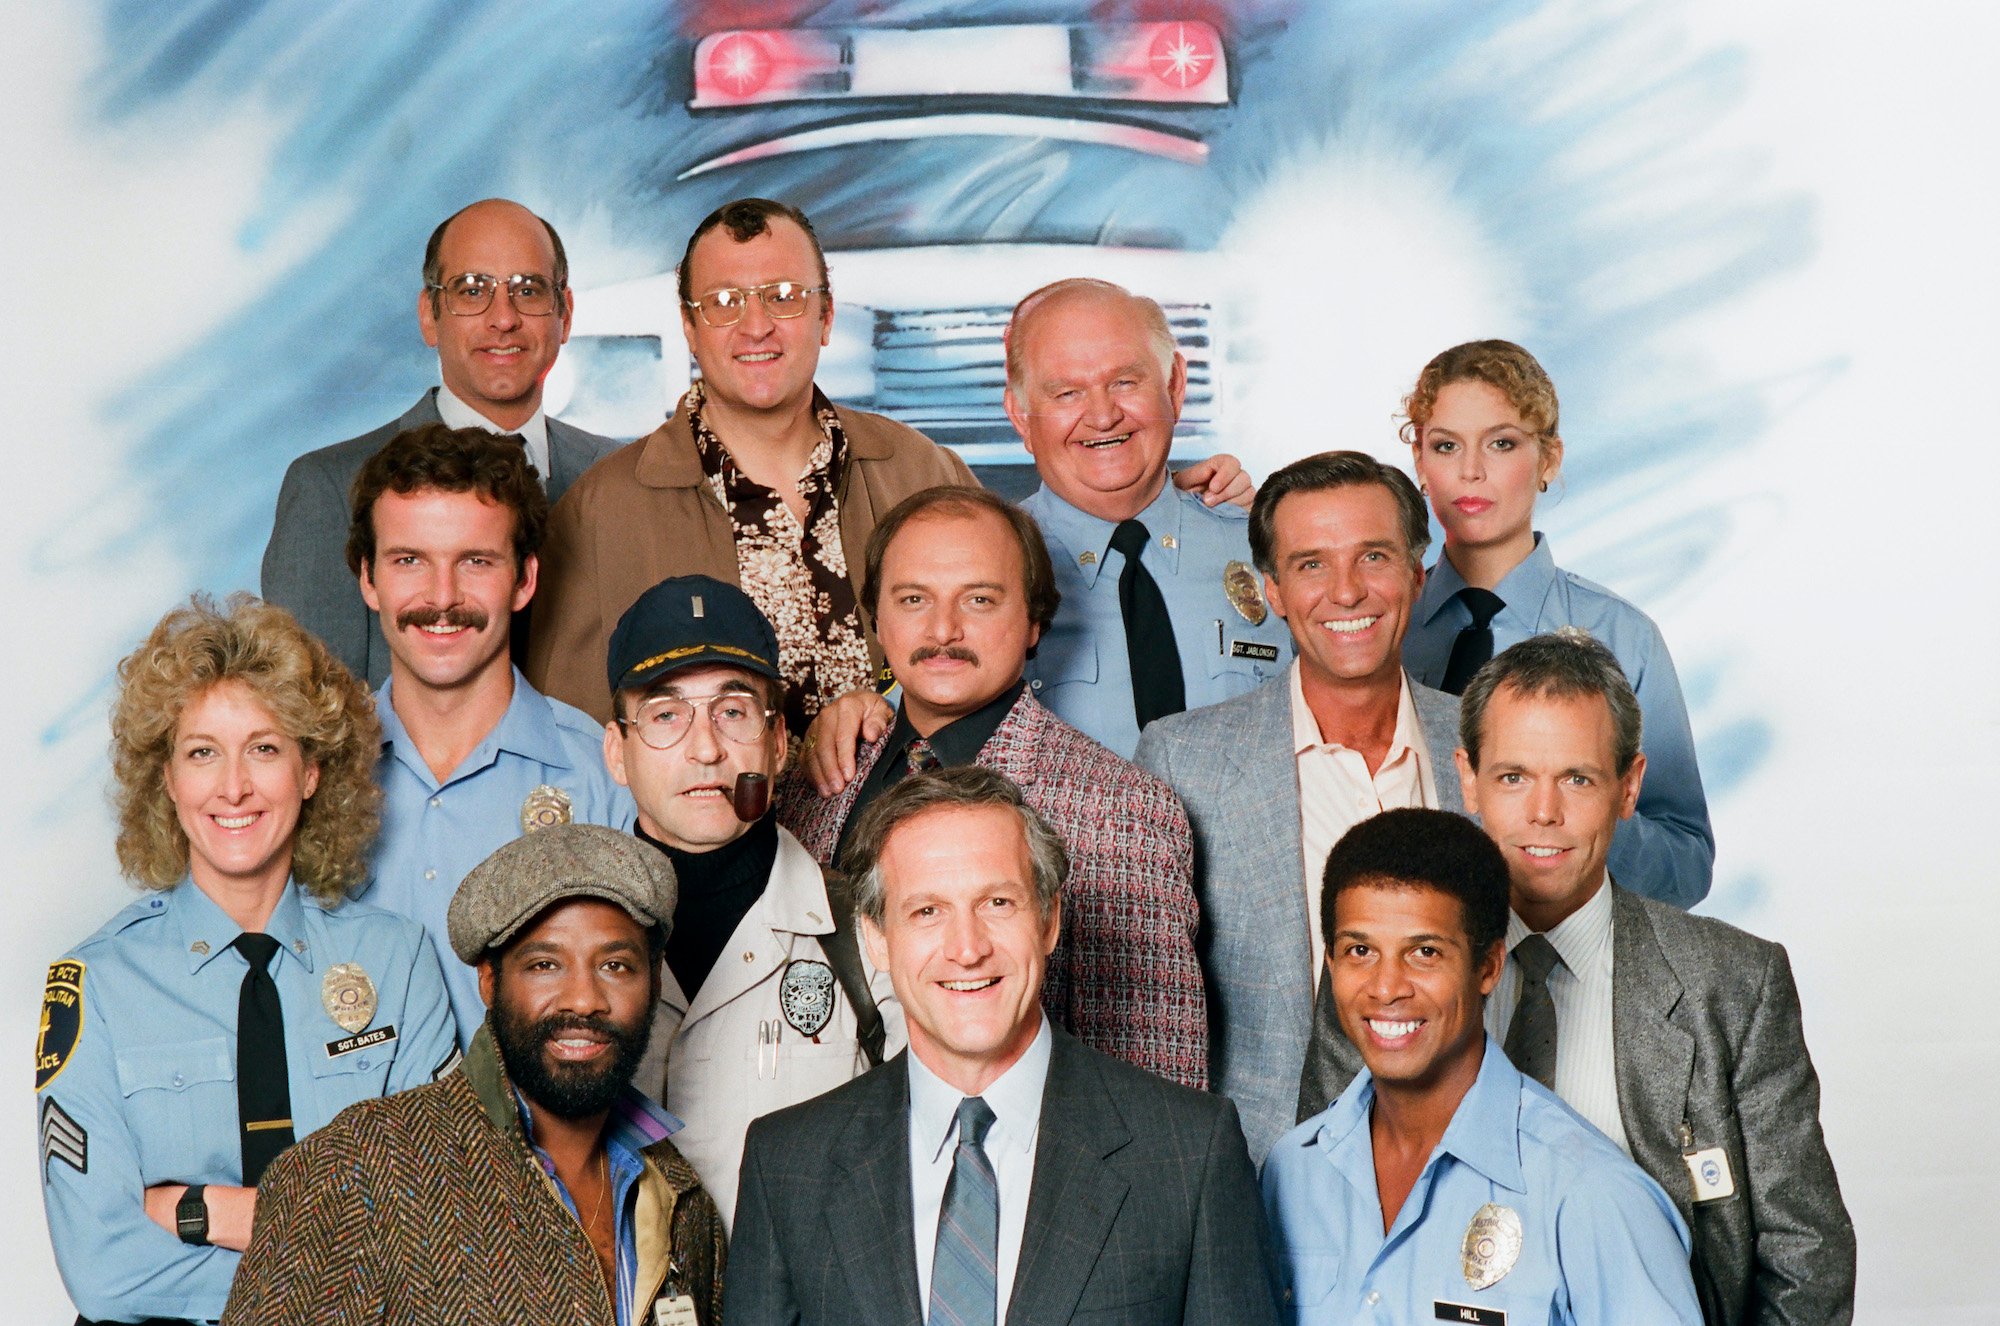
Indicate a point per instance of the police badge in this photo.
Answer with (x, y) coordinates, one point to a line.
(1492, 1245)
(805, 996)
(545, 808)
(1246, 595)
(348, 996)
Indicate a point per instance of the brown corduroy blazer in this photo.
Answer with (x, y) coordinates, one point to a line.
(645, 513)
(428, 1209)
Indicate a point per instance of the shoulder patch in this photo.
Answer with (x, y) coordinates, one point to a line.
(63, 1139)
(62, 1021)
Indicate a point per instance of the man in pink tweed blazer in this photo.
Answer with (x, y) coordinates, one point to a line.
(959, 587)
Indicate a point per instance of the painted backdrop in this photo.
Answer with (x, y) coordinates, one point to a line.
(1749, 281)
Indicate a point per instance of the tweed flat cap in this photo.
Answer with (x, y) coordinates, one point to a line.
(539, 869)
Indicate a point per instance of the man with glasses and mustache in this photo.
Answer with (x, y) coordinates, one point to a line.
(496, 306)
(766, 1000)
(446, 527)
(535, 1184)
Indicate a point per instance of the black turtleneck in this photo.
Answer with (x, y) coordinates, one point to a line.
(716, 889)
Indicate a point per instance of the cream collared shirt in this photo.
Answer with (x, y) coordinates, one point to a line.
(1580, 988)
(534, 433)
(1336, 791)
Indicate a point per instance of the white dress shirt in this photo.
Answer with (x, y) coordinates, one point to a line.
(534, 433)
(1580, 988)
(1015, 1097)
(1337, 792)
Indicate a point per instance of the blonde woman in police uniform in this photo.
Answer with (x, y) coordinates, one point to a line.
(243, 1002)
(758, 1007)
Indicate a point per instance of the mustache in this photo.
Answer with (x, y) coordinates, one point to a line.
(458, 614)
(557, 1025)
(957, 652)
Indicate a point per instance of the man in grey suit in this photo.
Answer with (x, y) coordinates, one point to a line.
(998, 1170)
(1680, 1037)
(496, 305)
(1272, 779)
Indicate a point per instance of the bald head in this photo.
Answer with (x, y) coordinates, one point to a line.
(1042, 316)
(493, 210)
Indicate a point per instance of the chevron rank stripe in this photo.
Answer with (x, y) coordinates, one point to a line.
(63, 1138)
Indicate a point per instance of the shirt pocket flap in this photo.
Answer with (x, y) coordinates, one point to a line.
(1063, 657)
(175, 1067)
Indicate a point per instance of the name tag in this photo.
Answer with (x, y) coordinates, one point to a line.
(675, 1310)
(1251, 649)
(362, 1041)
(1444, 1311)
(1708, 1166)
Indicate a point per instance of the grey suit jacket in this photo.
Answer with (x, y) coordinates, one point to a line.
(1143, 1207)
(1708, 1029)
(1233, 766)
(305, 563)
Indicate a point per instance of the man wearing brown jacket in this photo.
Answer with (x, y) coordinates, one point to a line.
(534, 1185)
(757, 479)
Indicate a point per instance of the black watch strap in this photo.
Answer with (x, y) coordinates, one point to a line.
(191, 1215)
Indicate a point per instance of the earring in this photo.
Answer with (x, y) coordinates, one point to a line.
(1424, 488)
(1545, 485)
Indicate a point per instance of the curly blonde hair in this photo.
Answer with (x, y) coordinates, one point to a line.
(316, 701)
(1499, 364)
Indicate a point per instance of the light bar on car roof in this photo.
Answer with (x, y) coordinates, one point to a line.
(1180, 62)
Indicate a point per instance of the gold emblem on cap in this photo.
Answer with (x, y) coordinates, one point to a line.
(1246, 594)
(1492, 1245)
(545, 808)
(348, 996)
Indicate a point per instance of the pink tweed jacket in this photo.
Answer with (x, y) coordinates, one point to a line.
(1124, 978)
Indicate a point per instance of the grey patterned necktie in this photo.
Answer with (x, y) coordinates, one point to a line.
(1531, 1036)
(965, 1268)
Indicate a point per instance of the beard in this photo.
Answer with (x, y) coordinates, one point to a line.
(568, 1090)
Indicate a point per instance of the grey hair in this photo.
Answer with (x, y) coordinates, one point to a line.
(967, 786)
(1564, 664)
(1329, 470)
(1152, 318)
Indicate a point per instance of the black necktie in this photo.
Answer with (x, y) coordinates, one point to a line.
(1157, 688)
(263, 1087)
(1531, 1036)
(1475, 643)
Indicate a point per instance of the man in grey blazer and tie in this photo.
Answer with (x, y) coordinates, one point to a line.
(496, 305)
(1272, 779)
(998, 1170)
(1678, 1036)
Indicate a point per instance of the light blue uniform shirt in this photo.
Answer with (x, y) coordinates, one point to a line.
(634, 1123)
(1667, 849)
(1601, 1244)
(1081, 669)
(434, 833)
(151, 1082)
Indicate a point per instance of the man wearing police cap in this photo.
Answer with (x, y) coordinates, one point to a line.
(535, 1184)
(766, 1000)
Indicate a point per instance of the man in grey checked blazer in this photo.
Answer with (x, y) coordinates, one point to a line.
(492, 364)
(1340, 539)
(1079, 1188)
(1705, 1030)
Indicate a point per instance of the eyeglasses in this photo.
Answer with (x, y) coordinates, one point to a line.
(665, 720)
(471, 294)
(782, 299)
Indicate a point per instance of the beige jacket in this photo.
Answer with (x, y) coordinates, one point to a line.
(645, 513)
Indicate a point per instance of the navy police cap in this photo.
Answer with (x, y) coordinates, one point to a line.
(685, 621)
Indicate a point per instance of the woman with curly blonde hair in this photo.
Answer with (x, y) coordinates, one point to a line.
(245, 1001)
(1483, 429)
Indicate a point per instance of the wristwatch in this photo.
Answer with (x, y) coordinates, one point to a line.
(191, 1215)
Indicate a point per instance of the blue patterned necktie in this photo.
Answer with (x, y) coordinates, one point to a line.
(965, 1268)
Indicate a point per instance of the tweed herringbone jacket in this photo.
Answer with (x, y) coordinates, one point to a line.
(1124, 978)
(428, 1209)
